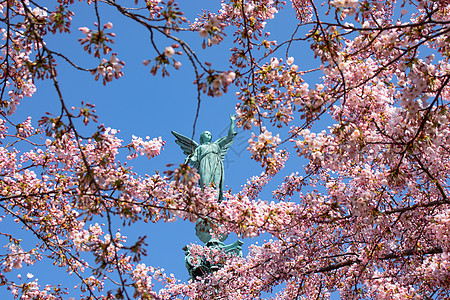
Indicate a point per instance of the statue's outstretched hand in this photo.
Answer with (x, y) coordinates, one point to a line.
(233, 118)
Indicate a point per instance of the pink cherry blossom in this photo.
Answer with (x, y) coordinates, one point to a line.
(169, 51)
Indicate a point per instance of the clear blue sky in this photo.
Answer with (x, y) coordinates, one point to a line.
(146, 105)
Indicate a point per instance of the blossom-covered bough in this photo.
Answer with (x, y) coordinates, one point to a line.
(370, 218)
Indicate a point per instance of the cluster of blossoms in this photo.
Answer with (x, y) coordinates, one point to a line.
(166, 58)
(15, 259)
(17, 78)
(314, 145)
(83, 239)
(249, 19)
(30, 290)
(345, 3)
(142, 278)
(391, 125)
(25, 88)
(215, 85)
(441, 228)
(210, 30)
(303, 10)
(154, 7)
(264, 145)
(345, 8)
(109, 69)
(149, 147)
(53, 211)
(264, 150)
(97, 41)
(282, 92)
(293, 183)
(387, 288)
(255, 185)
(60, 20)
(24, 129)
(262, 9)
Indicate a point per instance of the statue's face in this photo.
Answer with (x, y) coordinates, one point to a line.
(205, 137)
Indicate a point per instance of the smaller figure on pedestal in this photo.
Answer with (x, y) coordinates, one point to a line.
(198, 267)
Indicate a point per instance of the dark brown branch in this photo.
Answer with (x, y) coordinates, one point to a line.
(393, 255)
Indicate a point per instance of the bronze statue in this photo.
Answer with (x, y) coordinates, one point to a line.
(208, 157)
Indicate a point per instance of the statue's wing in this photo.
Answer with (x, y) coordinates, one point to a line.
(224, 144)
(186, 144)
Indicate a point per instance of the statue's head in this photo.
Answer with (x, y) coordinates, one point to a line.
(205, 137)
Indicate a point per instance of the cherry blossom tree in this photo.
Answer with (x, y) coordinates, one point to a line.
(369, 218)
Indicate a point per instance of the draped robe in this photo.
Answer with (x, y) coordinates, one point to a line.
(209, 157)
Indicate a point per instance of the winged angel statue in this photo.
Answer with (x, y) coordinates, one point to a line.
(208, 157)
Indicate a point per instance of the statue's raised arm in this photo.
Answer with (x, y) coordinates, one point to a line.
(208, 157)
(228, 140)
